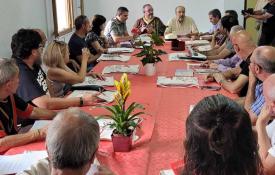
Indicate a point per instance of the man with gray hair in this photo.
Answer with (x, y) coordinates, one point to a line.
(13, 107)
(149, 23)
(262, 65)
(181, 24)
(72, 142)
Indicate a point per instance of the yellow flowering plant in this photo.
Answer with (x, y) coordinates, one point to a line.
(124, 121)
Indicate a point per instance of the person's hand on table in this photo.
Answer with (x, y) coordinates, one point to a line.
(90, 99)
(206, 64)
(101, 170)
(209, 78)
(218, 77)
(95, 75)
(213, 66)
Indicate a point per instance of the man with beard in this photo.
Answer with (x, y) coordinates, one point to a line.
(26, 49)
(149, 23)
(181, 24)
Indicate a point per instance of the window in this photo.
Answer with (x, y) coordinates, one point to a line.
(63, 15)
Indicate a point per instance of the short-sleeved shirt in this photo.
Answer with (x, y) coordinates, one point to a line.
(181, 28)
(269, 24)
(76, 44)
(32, 81)
(245, 71)
(11, 108)
(114, 27)
(93, 37)
(258, 104)
(270, 129)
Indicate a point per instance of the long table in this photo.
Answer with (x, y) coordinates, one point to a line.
(163, 130)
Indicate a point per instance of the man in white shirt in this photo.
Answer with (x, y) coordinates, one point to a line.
(181, 24)
(266, 131)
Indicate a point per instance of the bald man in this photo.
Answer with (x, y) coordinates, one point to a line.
(149, 23)
(181, 24)
(266, 131)
(236, 80)
(262, 65)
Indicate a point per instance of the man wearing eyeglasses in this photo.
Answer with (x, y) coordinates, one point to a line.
(262, 65)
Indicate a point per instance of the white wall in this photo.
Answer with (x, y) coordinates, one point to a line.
(16, 14)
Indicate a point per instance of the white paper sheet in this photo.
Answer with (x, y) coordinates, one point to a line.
(144, 38)
(108, 96)
(184, 73)
(177, 81)
(178, 56)
(114, 57)
(38, 124)
(120, 50)
(206, 71)
(197, 42)
(167, 172)
(134, 69)
(109, 81)
(17, 163)
(204, 48)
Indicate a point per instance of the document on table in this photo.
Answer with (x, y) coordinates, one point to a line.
(114, 57)
(120, 50)
(144, 38)
(185, 56)
(108, 96)
(204, 48)
(38, 124)
(197, 42)
(17, 163)
(167, 172)
(184, 73)
(206, 71)
(134, 69)
(109, 81)
(177, 81)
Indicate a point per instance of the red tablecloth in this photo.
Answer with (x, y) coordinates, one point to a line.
(162, 131)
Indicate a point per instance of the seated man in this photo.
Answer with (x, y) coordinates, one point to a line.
(26, 48)
(226, 50)
(13, 107)
(181, 24)
(215, 18)
(149, 23)
(72, 141)
(116, 30)
(77, 42)
(266, 131)
(261, 67)
(244, 46)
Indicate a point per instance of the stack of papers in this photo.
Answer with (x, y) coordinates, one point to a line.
(178, 81)
(120, 50)
(114, 57)
(206, 71)
(184, 73)
(185, 56)
(109, 81)
(20, 162)
(134, 69)
(197, 42)
(108, 96)
(144, 38)
(204, 48)
(194, 66)
(167, 172)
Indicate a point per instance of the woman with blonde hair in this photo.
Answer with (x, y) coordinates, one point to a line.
(59, 76)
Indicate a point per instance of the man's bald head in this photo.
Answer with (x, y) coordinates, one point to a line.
(243, 43)
(42, 35)
(269, 92)
(72, 139)
(264, 56)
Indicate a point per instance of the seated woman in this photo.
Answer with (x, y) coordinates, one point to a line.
(13, 107)
(219, 140)
(59, 76)
(95, 39)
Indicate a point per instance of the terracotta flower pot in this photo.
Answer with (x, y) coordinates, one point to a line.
(150, 69)
(122, 143)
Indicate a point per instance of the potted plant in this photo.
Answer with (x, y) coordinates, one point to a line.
(124, 119)
(151, 55)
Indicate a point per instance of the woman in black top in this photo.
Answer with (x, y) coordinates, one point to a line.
(96, 41)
